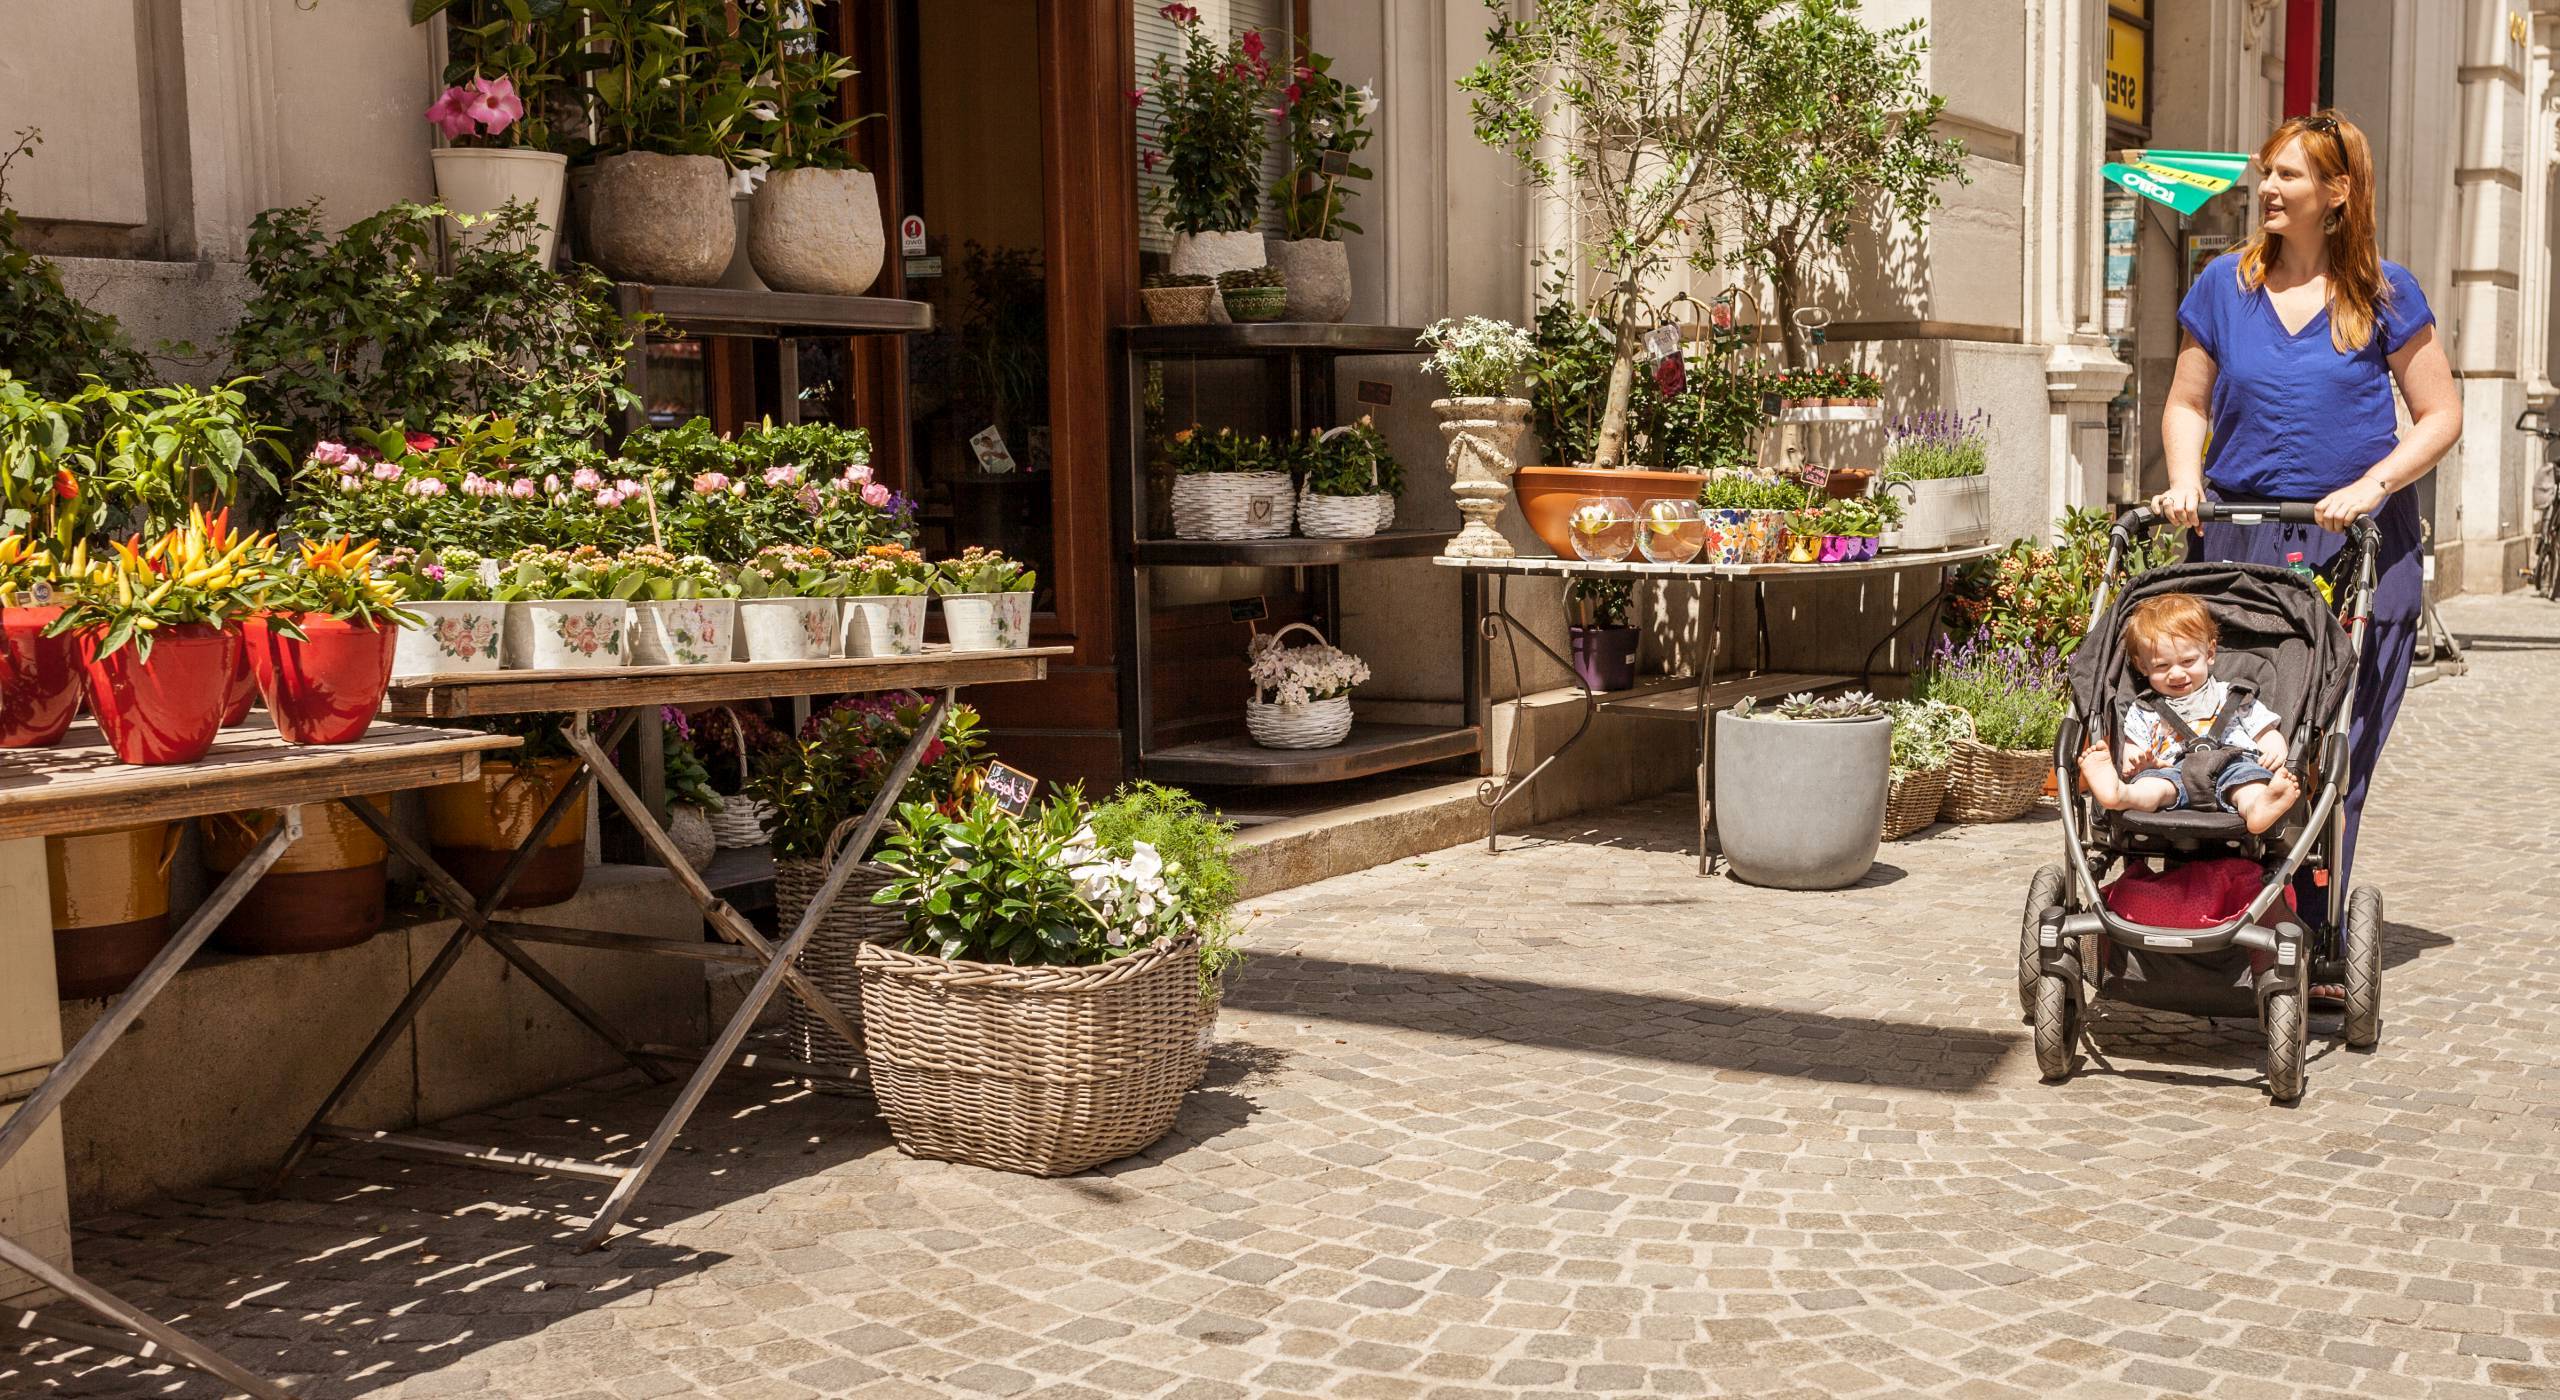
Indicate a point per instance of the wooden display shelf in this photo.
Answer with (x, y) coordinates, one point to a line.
(1371, 749)
(1275, 338)
(1293, 551)
(483, 693)
(1682, 703)
(79, 785)
(1845, 413)
(771, 315)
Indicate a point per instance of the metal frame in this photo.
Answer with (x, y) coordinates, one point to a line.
(480, 922)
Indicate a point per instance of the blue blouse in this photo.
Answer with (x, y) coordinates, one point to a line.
(2293, 419)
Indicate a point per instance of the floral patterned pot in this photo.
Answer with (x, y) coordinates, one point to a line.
(1729, 538)
(786, 629)
(683, 631)
(883, 624)
(39, 679)
(566, 634)
(987, 621)
(451, 637)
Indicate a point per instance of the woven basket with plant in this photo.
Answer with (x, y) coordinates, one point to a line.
(1228, 486)
(1925, 733)
(1301, 695)
(2016, 696)
(1349, 482)
(1178, 298)
(1254, 293)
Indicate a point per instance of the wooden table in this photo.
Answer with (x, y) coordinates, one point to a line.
(80, 786)
(1708, 694)
(603, 706)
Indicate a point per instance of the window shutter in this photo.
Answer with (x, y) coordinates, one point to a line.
(1158, 35)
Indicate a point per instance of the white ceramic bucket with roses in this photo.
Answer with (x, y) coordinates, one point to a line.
(450, 638)
(683, 631)
(786, 629)
(883, 624)
(987, 621)
(567, 634)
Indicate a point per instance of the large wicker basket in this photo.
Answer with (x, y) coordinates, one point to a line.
(1043, 1070)
(1912, 801)
(1343, 517)
(740, 822)
(1233, 506)
(828, 957)
(1985, 784)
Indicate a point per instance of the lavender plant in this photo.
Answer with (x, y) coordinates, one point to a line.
(1936, 444)
(2015, 692)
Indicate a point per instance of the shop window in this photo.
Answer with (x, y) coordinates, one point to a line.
(1158, 35)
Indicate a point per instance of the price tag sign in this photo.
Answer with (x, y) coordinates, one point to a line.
(1378, 393)
(1253, 609)
(1817, 477)
(1335, 163)
(1011, 787)
(1662, 342)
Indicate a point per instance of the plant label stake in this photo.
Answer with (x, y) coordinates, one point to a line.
(1011, 787)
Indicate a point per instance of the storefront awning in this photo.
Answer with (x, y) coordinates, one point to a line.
(2183, 180)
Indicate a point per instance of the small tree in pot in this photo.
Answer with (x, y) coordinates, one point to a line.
(1326, 123)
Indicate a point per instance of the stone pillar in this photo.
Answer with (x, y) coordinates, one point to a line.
(2064, 218)
(34, 1203)
(2480, 495)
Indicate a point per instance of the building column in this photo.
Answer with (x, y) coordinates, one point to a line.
(2480, 505)
(2066, 242)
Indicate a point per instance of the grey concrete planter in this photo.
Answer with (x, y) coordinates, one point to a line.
(660, 219)
(1800, 802)
(1319, 273)
(818, 231)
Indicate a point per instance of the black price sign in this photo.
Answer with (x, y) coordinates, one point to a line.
(1011, 787)
(1378, 392)
(1252, 609)
(1335, 163)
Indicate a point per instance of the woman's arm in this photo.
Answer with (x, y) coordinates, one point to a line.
(2435, 411)
(2184, 421)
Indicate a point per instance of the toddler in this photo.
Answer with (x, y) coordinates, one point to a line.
(2170, 639)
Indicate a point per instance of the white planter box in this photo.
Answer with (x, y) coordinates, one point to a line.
(987, 621)
(883, 624)
(683, 631)
(453, 637)
(567, 634)
(1949, 513)
(786, 629)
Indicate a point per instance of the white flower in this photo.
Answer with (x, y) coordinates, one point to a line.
(1364, 100)
(1144, 863)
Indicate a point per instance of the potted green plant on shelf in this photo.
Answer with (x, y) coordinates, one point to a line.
(501, 77)
(39, 668)
(813, 792)
(1924, 739)
(1601, 637)
(1800, 789)
(1178, 298)
(1349, 484)
(1852, 529)
(322, 647)
(1325, 126)
(460, 609)
(1212, 122)
(1228, 486)
(1301, 695)
(667, 87)
(571, 612)
(158, 625)
(2015, 695)
(1936, 459)
(1746, 513)
(685, 611)
(986, 600)
(816, 223)
(1044, 1014)
(886, 588)
(1481, 360)
(1253, 293)
(787, 603)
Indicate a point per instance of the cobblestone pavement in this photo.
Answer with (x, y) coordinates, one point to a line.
(1565, 1120)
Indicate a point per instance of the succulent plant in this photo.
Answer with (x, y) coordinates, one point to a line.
(1852, 704)
(1243, 278)
(1155, 280)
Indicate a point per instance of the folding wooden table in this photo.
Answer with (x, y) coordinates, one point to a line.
(79, 786)
(602, 706)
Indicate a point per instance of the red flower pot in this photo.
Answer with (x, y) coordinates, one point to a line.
(239, 691)
(39, 679)
(168, 709)
(327, 689)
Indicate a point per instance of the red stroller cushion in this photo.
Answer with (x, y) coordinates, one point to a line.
(2189, 894)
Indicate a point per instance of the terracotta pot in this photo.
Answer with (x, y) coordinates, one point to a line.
(1848, 483)
(169, 710)
(39, 679)
(1548, 495)
(326, 891)
(474, 828)
(110, 905)
(328, 688)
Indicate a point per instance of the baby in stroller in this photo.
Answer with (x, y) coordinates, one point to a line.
(2189, 741)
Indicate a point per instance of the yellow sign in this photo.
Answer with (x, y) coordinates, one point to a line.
(2128, 52)
(2131, 9)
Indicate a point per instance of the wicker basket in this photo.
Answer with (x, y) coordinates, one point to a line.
(1343, 517)
(829, 955)
(1178, 306)
(1993, 785)
(1233, 506)
(1319, 725)
(1043, 1070)
(741, 819)
(1912, 801)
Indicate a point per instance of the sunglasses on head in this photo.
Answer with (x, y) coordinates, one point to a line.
(2326, 126)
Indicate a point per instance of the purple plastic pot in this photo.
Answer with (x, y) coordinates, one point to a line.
(1835, 549)
(1604, 657)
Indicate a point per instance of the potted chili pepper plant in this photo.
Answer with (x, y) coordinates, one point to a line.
(39, 670)
(322, 651)
(159, 633)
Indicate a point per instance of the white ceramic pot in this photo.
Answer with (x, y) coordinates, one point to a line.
(987, 621)
(481, 180)
(1948, 513)
(883, 624)
(818, 231)
(452, 637)
(660, 219)
(567, 634)
(683, 631)
(786, 629)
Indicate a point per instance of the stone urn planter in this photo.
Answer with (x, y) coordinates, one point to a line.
(1319, 273)
(1799, 803)
(818, 231)
(479, 181)
(1481, 434)
(659, 219)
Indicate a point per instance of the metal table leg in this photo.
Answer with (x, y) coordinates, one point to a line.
(143, 1337)
(1499, 624)
(1710, 641)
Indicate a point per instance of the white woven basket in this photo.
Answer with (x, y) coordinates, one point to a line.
(1233, 506)
(1343, 517)
(1319, 725)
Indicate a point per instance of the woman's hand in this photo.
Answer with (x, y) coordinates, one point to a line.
(2179, 505)
(2340, 508)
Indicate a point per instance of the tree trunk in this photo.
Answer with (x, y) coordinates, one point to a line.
(1794, 339)
(1611, 449)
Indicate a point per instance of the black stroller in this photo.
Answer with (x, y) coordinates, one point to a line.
(2300, 654)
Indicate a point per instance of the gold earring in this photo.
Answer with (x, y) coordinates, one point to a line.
(2330, 224)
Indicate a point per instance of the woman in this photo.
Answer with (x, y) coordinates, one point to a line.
(2292, 346)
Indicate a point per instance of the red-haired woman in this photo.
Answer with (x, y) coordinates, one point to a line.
(2292, 346)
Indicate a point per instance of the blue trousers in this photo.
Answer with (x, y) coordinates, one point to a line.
(2390, 639)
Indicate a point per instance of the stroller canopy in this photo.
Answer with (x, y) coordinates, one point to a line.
(2277, 635)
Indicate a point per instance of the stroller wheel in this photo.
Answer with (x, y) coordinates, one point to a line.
(2287, 1026)
(2057, 1016)
(2043, 892)
(2364, 968)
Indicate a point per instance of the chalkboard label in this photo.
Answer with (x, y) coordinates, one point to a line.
(1335, 163)
(1373, 391)
(1011, 787)
(1252, 609)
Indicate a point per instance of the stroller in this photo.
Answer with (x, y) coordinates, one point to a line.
(2299, 653)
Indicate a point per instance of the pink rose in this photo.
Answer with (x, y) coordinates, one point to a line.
(627, 487)
(608, 498)
(523, 489)
(586, 479)
(425, 486)
(875, 495)
(386, 471)
(710, 484)
(330, 454)
(781, 476)
(551, 483)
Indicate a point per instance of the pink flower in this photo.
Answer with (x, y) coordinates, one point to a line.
(523, 488)
(586, 479)
(875, 495)
(448, 116)
(808, 499)
(474, 484)
(1289, 95)
(1253, 45)
(420, 442)
(425, 486)
(710, 484)
(551, 483)
(386, 471)
(1303, 73)
(493, 103)
(737, 488)
(608, 498)
(781, 476)
(1151, 156)
(1180, 14)
(1137, 97)
(330, 454)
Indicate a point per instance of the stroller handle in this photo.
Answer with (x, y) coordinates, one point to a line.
(2137, 519)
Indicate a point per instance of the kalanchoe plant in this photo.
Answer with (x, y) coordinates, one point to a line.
(1297, 676)
(980, 570)
(1195, 452)
(1479, 357)
(886, 570)
(337, 579)
(665, 575)
(1354, 462)
(790, 571)
(449, 575)
(197, 573)
(1213, 112)
(1326, 123)
(583, 572)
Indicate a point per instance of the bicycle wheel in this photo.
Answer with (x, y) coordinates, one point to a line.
(2546, 553)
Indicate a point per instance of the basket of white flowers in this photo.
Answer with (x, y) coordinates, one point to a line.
(1301, 695)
